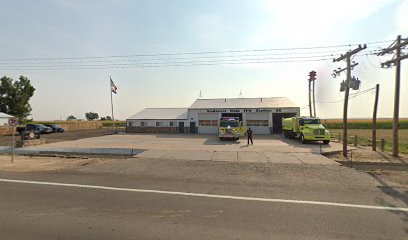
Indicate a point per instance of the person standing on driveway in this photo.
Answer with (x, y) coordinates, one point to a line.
(249, 135)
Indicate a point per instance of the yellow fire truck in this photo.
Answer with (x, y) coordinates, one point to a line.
(305, 129)
(230, 128)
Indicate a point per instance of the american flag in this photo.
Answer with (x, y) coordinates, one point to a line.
(113, 86)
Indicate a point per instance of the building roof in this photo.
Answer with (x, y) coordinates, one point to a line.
(161, 114)
(272, 102)
(4, 115)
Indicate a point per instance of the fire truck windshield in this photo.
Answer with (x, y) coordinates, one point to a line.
(311, 121)
(228, 123)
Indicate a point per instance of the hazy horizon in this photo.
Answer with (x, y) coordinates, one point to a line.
(163, 53)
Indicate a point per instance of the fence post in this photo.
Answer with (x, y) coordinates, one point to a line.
(382, 144)
(355, 140)
(339, 137)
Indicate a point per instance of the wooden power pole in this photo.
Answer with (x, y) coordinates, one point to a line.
(347, 57)
(395, 61)
(312, 78)
(314, 99)
(374, 138)
(310, 100)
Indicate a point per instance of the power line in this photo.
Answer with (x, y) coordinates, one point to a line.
(206, 58)
(289, 55)
(185, 62)
(164, 65)
(162, 62)
(190, 53)
(353, 95)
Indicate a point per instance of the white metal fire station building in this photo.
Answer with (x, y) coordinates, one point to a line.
(263, 115)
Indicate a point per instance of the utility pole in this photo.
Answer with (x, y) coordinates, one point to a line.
(312, 78)
(314, 100)
(310, 100)
(113, 89)
(347, 57)
(374, 137)
(396, 61)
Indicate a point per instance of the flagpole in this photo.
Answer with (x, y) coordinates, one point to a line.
(113, 118)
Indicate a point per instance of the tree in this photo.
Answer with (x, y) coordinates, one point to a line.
(71, 117)
(91, 116)
(15, 97)
(107, 118)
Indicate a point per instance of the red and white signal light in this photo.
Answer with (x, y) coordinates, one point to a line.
(312, 75)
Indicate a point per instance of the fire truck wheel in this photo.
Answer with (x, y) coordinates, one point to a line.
(326, 141)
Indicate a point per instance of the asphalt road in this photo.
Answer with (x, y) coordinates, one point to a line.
(32, 211)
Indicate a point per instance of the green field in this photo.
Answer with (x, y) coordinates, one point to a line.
(364, 123)
(364, 137)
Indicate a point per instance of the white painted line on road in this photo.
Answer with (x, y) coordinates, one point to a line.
(334, 204)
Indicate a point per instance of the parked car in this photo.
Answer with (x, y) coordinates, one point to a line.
(55, 128)
(36, 128)
(20, 129)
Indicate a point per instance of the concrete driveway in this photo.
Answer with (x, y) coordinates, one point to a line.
(266, 148)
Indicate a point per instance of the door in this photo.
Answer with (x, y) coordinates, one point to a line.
(193, 127)
(208, 123)
(259, 122)
(277, 121)
(181, 127)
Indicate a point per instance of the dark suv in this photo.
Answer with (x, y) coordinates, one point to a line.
(38, 127)
(55, 128)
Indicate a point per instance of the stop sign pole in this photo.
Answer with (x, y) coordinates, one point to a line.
(13, 122)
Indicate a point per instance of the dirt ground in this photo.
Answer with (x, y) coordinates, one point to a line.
(395, 177)
(365, 154)
(60, 137)
(35, 164)
(391, 177)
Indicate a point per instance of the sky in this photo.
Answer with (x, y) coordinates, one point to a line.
(263, 48)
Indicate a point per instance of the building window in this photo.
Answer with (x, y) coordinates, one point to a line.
(130, 124)
(143, 124)
(257, 123)
(211, 123)
(159, 124)
(173, 124)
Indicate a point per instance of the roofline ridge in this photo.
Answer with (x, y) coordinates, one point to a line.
(237, 98)
(168, 108)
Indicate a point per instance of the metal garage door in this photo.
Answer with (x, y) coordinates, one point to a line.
(259, 122)
(208, 123)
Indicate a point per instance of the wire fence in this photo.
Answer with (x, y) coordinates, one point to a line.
(381, 144)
